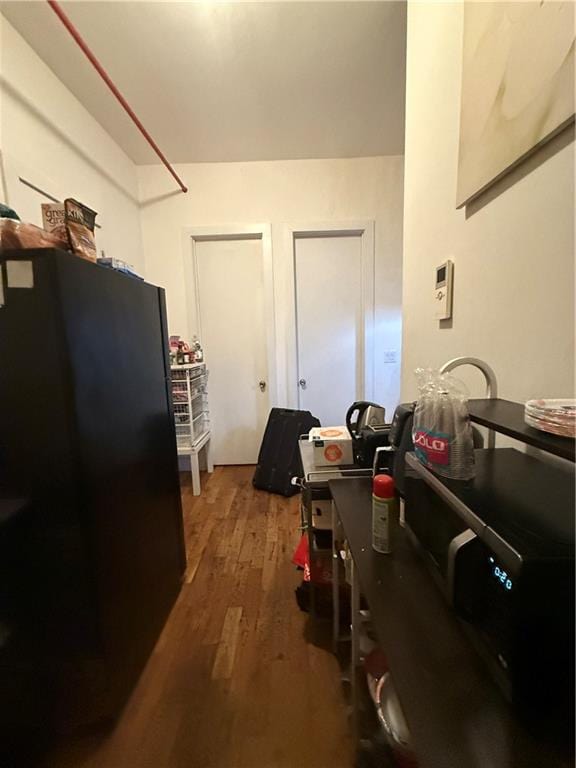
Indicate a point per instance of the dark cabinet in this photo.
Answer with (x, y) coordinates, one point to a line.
(87, 437)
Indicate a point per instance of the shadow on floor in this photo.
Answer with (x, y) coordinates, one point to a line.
(22, 748)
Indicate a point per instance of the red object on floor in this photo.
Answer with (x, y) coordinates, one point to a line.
(301, 556)
(320, 572)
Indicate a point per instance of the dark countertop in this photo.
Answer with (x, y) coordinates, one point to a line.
(457, 715)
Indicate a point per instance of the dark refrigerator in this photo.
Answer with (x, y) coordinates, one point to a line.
(92, 556)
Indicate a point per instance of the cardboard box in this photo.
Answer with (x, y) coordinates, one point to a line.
(332, 446)
(53, 219)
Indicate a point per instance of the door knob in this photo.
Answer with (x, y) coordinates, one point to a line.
(262, 385)
(302, 383)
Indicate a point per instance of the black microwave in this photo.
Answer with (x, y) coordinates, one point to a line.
(501, 547)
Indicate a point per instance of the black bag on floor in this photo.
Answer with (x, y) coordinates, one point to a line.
(279, 457)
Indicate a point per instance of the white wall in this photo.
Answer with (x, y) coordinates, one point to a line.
(279, 193)
(50, 139)
(513, 250)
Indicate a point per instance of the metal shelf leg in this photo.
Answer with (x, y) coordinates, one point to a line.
(355, 653)
(335, 582)
(195, 470)
(209, 462)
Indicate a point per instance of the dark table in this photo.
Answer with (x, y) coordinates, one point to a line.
(457, 716)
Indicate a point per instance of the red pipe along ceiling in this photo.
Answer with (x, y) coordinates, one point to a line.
(104, 75)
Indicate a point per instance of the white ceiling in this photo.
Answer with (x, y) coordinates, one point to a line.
(235, 81)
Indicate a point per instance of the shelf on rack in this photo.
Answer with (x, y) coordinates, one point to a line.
(187, 366)
(185, 446)
(191, 410)
(201, 438)
(507, 417)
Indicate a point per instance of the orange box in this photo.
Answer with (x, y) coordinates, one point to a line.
(332, 446)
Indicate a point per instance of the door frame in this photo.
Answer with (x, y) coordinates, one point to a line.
(263, 232)
(365, 230)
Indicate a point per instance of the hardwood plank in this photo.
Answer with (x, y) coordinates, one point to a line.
(232, 682)
(224, 662)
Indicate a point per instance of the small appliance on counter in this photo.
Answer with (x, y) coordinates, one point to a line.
(390, 457)
(501, 547)
(366, 423)
(367, 415)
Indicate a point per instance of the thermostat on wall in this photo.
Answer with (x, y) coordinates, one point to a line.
(443, 291)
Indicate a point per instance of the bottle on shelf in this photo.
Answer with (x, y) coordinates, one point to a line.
(198, 354)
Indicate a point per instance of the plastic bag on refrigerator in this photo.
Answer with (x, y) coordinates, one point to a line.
(441, 430)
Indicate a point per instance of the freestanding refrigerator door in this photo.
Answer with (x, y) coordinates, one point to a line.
(116, 341)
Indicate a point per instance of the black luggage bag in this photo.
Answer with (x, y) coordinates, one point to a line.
(279, 457)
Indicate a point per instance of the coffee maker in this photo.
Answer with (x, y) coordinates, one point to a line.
(366, 423)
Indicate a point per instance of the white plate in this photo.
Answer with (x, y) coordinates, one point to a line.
(562, 430)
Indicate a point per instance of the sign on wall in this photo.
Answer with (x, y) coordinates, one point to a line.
(517, 86)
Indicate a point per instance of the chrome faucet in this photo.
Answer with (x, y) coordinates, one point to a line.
(489, 375)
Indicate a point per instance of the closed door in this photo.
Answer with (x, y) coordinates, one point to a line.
(230, 289)
(329, 324)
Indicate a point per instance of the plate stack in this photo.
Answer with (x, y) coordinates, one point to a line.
(557, 417)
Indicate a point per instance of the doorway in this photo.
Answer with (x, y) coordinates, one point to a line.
(232, 276)
(333, 283)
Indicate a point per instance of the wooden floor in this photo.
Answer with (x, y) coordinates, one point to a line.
(233, 681)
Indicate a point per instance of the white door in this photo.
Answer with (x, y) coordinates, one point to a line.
(231, 304)
(329, 324)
